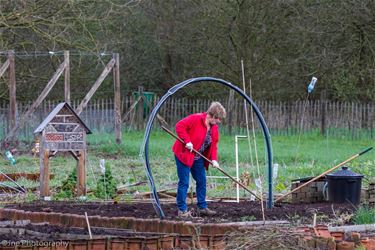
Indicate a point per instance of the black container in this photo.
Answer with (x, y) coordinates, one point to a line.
(344, 186)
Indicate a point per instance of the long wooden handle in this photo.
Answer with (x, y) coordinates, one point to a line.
(326, 172)
(205, 158)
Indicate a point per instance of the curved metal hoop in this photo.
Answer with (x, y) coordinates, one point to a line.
(171, 91)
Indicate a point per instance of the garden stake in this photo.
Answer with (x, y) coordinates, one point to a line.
(88, 225)
(205, 158)
(248, 138)
(326, 172)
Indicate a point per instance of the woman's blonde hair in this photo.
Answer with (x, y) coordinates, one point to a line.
(216, 110)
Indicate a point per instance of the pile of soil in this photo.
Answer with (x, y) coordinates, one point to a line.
(226, 212)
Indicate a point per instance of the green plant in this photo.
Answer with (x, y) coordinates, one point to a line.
(106, 185)
(68, 186)
(364, 215)
(248, 218)
(30, 196)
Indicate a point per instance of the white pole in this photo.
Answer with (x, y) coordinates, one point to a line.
(237, 175)
(237, 164)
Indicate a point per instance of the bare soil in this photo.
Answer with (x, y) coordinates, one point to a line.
(226, 212)
(47, 232)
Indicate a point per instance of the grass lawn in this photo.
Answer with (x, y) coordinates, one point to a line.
(297, 156)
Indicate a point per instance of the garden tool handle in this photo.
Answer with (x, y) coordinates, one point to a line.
(182, 141)
(205, 158)
(365, 151)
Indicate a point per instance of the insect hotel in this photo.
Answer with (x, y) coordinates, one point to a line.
(62, 131)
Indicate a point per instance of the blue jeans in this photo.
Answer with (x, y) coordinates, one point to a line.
(199, 175)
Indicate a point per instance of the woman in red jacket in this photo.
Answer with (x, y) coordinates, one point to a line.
(199, 131)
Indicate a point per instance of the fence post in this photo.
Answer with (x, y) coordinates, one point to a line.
(117, 106)
(140, 109)
(12, 91)
(67, 77)
(323, 107)
(230, 110)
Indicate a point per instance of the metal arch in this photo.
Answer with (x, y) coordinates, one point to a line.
(171, 91)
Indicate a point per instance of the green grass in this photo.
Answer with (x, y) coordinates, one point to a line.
(364, 215)
(298, 156)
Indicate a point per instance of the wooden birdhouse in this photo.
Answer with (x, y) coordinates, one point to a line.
(64, 131)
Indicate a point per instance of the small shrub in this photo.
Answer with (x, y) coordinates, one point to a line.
(364, 215)
(30, 196)
(106, 186)
(68, 186)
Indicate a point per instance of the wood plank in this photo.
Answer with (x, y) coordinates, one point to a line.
(4, 67)
(12, 91)
(38, 101)
(44, 173)
(140, 111)
(131, 109)
(117, 108)
(67, 77)
(81, 173)
(28, 176)
(96, 85)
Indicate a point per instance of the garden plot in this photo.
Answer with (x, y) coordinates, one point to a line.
(226, 212)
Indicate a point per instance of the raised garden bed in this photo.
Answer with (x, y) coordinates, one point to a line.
(226, 212)
(135, 225)
(26, 235)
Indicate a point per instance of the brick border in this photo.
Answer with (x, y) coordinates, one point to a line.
(177, 234)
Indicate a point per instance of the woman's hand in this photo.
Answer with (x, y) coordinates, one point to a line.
(189, 146)
(215, 164)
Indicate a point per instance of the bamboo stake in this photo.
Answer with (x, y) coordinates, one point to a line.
(326, 172)
(256, 155)
(88, 225)
(248, 139)
(205, 158)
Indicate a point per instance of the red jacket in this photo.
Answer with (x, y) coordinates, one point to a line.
(193, 129)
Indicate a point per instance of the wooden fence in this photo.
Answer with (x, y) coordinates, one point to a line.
(348, 119)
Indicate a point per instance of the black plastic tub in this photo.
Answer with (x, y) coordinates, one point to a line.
(344, 186)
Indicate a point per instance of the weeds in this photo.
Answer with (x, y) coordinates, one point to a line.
(315, 155)
(364, 215)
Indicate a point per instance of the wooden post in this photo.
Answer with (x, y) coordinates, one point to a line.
(96, 85)
(140, 109)
(230, 111)
(12, 91)
(81, 173)
(44, 173)
(116, 81)
(323, 114)
(67, 77)
(4, 67)
(37, 102)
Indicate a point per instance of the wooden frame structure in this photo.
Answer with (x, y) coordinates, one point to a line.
(64, 67)
(9, 64)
